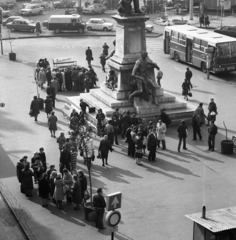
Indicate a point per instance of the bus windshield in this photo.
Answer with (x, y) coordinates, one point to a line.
(226, 50)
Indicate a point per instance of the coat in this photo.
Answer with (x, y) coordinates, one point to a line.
(52, 123)
(51, 91)
(105, 147)
(76, 192)
(161, 130)
(89, 54)
(103, 59)
(19, 167)
(58, 192)
(27, 179)
(182, 131)
(151, 140)
(34, 107)
(83, 184)
(55, 85)
(200, 111)
(41, 77)
(48, 105)
(44, 188)
(105, 49)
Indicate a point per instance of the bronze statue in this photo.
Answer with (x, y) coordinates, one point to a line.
(126, 8)
(143, 81)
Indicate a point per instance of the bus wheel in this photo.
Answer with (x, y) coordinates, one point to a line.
(176, 57)
(203, 67)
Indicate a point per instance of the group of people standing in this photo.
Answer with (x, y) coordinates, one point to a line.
(204, 20)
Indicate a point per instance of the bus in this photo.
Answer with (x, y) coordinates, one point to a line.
(200, 47)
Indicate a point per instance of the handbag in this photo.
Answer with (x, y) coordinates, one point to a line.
(99, 155)
(190, 94)
(31, 113)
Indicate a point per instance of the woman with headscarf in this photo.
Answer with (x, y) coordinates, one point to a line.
(44, 190)
(27, 180)
(59, 192)
(41, 77)
(76, 192)
(52, 124)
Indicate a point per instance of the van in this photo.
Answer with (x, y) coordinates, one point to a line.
(60, 23)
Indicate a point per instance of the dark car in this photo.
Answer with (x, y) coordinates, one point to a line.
(21, 24)
(227, 30)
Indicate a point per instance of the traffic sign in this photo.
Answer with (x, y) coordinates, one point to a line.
(113, 201)
(113, 218)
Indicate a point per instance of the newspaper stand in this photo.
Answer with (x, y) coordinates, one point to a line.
(217, 224)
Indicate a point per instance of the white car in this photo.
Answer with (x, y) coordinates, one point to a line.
(39, 2)
(31, 9)
(99, 24)
(96, 8)
(149, 27)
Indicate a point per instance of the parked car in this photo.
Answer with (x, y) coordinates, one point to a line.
(99, 24)
(21, 25)
(39, 2)
(96, 8)
(229, 30)
(64, 4)
(10, 19)
(70, 11)
(31, 9)
(149, 27)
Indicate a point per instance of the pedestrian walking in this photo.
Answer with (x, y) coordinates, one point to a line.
(34, 108)
(44, 190)
(42, 156)
(61, 140)
(196, 127)
(212, 131)
(159, 76)
(27, 180)
(41, 77)
(185, 89)
(51, 181)
(38, 28)
(206, 21)
(104, 148)
(83, 184)
(89, 56)
(201, 20)
(52, 124)
(99, 204)
(103, 62)
(48, 105)
(152, 144)
(65, 159)
(109, 130)
(55, 84)
(188, 76)
(105, 49)
(200, 111)
(59, 190)
(212, 108)
(161, 134)
(182, 134)
(51, 93)
(83, 105)
(138, 148)
(76, 192)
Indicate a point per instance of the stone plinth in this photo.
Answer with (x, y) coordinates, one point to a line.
(130, 42)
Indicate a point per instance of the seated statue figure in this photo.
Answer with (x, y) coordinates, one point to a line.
(111, 80)
(141, 74)
(125, 7)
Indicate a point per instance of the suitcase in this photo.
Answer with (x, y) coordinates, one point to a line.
(41, 102)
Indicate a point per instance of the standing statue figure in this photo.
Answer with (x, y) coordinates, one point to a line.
(125, 7)
(144, 82)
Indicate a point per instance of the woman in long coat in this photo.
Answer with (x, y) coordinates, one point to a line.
(58, 193)
(52, 124)
(34, 108)
(83, 183)
(48, 105)
(41, 78)
(27, 180)
(44, 190)
(104, 148)
(76, 192)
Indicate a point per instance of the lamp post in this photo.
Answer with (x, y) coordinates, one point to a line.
(190, 9)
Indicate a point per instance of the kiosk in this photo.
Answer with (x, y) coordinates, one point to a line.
(217, 224)
(64, 62)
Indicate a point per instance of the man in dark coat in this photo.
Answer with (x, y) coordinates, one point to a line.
(99, 205)
(49, 76)
(212, 131)
(65, 159)
(43, 158)
(104, 148)
(103, 61)
(188, 76)
(34, 108)
(183, 132)
(51, 93)
(89, 55)
(152, 144)
(196, 127)
(105, 49)
(19, 167)
(212, 111)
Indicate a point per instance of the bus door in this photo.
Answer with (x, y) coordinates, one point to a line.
(167, 43)
(189, 50)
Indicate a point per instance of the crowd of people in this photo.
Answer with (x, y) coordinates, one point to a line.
(204, 20)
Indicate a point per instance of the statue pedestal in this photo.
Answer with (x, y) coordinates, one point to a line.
(130, 42)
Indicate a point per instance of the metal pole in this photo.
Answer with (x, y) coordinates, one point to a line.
(112, 235)
(190, 9)
(1, 39)
(208, 73)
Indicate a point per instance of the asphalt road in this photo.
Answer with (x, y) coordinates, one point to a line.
(156, 196)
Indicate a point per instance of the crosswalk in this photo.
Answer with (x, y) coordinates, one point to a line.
(154, 45)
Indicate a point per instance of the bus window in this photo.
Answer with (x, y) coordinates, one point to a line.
(196, 43)
(233, 49)
(175, 36)
(182, 39)
(203, 45)
(223, 50)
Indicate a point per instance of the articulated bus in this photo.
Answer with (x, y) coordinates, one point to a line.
(201, 48)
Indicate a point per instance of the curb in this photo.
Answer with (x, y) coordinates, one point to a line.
(17, 211)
